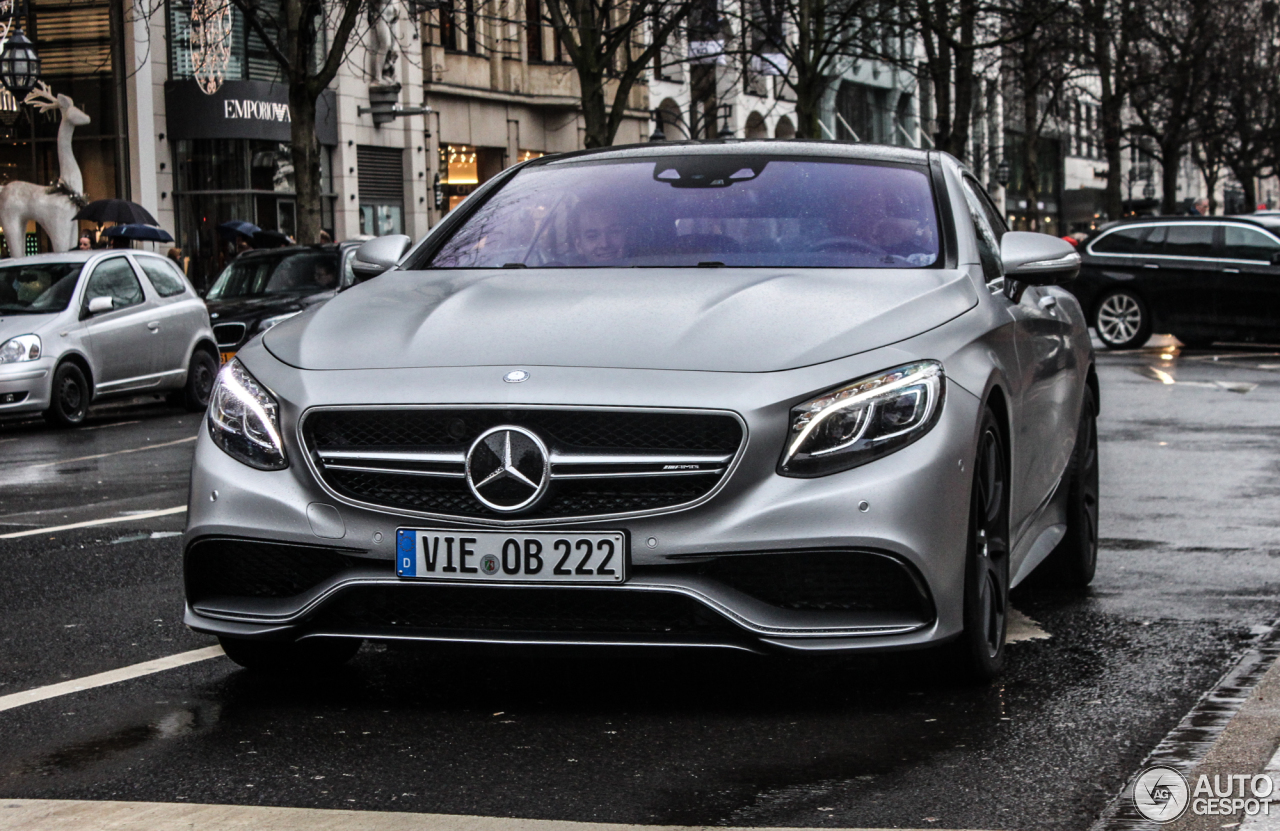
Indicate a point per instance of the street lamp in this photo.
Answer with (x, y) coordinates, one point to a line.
(19, 66)
(726, 111)
(1002, 173)
(658, 133)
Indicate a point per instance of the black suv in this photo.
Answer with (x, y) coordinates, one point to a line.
(1203, 279)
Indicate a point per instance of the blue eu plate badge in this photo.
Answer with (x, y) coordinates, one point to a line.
(406, 553)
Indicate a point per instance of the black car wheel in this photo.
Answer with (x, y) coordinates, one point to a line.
(69, 403)
(200, 377)
(1073, 562)
(275, 656)
(1122, 320)
(979, 652)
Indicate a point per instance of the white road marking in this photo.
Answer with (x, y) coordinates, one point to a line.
(86, 815)
(112, 453)
(102, 679)
(92, 522)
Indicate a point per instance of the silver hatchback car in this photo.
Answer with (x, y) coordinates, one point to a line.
(774, 396)
(81, 326)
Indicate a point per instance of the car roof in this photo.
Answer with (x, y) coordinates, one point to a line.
(1170, 218)
(735, 147)
(324, 247)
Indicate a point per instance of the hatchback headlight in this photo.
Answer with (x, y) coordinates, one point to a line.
(244, 420)
(864, 420)
(21, 348)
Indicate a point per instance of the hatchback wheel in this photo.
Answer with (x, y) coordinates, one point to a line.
(275, 656)
(1122, 320)
(200, 377)
(1074, 561)
(980, 650)
(69, 403)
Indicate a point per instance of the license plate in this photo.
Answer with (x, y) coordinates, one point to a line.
(510, 557)
(227, 356)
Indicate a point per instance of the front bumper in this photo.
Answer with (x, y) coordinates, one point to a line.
(25, 387)
(913, 529)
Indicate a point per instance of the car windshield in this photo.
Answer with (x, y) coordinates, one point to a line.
(703, 210)
(37, 288)
(295, 271)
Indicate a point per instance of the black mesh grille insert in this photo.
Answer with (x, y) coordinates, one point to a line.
(520, 610)
(823, 581)
(562, 430)
(249, 568)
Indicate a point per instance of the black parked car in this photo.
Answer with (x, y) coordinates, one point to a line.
(259, 289)
(1203, 279)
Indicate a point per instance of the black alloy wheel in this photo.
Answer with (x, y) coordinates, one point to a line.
(200, 377)
(1122, 320)
(69, 401)
(312, 654)
(980, 649)
(1073, 563)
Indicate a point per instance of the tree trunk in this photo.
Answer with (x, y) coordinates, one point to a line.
(1170, 156)
(1031, 149)
(595, 113)
(1249, 185)
(809, 107)
(305, 150)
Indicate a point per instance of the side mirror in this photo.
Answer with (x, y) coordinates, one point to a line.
(98, 305)
(1038, 259)
(378, 255)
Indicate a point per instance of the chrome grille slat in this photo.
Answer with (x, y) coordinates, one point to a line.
(602, 462)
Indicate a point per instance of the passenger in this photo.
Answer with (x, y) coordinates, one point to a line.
(326, 276)
(599, 233)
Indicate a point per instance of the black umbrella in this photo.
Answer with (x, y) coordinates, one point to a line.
(116, 210)
(237, 226)
(270, 239)
(141, 232)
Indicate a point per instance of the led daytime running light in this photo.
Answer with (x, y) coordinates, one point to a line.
(819, 416)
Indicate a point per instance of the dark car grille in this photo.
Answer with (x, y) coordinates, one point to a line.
(218, 567)
(824, 581)
(520, 611)
(603, 462)
(229, 335)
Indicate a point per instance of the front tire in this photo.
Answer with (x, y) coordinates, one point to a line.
(979, 652)
(1122, 320)
(275, 656)
(69, 397)
(1073, 563)
(200, 377)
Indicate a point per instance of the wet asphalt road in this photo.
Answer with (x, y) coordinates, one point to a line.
(1191, 545)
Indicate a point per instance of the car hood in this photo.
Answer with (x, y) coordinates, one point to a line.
(723, 319)
(12, 325)
(251, 308)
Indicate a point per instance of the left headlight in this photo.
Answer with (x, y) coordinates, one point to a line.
(863, 420)
(244, 420)
(21, 348)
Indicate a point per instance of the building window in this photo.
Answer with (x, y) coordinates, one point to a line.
(533, 28)
(380, 174)
(249, 61)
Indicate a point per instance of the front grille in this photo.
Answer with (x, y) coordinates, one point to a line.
(602, 462)
(524, 611)
(217, 567)
(824, 581)
(229, 335)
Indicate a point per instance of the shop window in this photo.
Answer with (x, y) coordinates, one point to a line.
(380, 174)
(250, 59)
(526, 155)
(533, 28)
(463, 167)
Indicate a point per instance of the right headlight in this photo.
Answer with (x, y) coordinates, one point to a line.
(863, 420)
(244, 419)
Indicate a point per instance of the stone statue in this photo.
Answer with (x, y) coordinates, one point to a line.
(384, 57)
(51, 206)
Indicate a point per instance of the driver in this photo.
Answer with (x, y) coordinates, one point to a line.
(326, 276)
(599, 233)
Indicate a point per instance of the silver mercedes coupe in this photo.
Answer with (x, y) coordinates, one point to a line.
(776, 396)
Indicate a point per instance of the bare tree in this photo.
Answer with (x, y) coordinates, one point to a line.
(295, 38)
(1108, 26)
(1244, 129)
(610, 43)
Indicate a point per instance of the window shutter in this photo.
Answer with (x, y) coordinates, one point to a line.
(380, 173)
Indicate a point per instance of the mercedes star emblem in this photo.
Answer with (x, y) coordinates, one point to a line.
(508, 468)
(515, 376)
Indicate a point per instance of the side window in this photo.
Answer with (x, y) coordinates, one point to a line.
(164, 276)
(1241, 243)
(1153, 242)
(1120, 241)
(114, 278)
(994, 216)
(988, 243)
(1188, 241)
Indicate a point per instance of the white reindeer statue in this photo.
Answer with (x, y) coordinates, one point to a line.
(52, 206)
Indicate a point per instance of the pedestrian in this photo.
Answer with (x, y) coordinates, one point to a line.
(85, 243)
(1200, 207)
(121, 242)
(175, 254)
(325, 237)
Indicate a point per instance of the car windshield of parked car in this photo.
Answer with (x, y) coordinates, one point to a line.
(297, 272)
(703, 210)
(39, 288)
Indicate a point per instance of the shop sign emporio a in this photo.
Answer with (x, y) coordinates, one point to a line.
(1162, 794)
